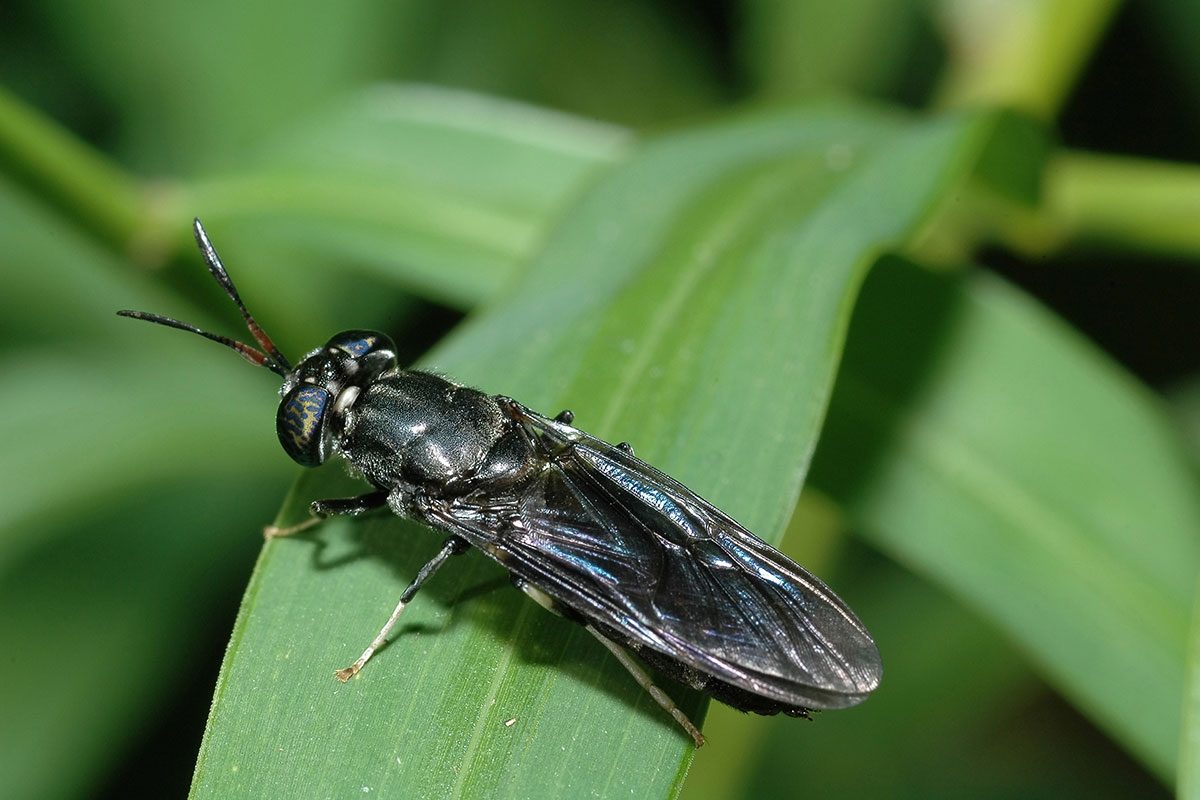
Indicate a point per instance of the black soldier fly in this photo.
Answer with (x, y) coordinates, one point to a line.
(584, 527)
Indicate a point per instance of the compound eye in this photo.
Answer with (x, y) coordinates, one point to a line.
(373, 353)
(358, 344)
(301, 424)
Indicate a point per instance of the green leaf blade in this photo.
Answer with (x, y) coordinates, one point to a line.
(445, 190)
(735, 249)
(1035, 481)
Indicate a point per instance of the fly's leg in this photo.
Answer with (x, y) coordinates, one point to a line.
(643, 678)
(348, 506)
(452, 547)
(333, 507)
(276, 532)
(566, 416)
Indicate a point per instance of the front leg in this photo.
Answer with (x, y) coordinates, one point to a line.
(348, 506)
(453, 546)
(332, 507)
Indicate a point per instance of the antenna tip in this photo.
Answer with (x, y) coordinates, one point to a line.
(201, 237)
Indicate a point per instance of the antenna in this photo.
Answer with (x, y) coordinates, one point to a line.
(272, 359)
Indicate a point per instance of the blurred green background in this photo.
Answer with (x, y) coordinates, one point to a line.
(659, 214)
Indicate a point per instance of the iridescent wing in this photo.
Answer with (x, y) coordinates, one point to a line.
(621, 544)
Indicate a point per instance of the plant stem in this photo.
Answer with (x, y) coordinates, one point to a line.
(1138, 203)
(1089, 198)
(97, 193)
(1022, 55)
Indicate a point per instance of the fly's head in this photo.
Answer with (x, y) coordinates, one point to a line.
(319, 392)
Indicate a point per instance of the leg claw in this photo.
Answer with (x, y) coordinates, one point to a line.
(277, 532)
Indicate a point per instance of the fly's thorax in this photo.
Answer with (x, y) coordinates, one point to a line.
(416, 428)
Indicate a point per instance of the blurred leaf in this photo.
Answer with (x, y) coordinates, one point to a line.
(83, 413)
(999, 202)
(100, 621)
(981, 443)
(1185, 408)
(191, 87)
(1177, 26)
(446, 190)
(35, 149)
(692, 303)
(797, 49)
(1188, 785)
(125, 496)
(628, 61)
(95, 425)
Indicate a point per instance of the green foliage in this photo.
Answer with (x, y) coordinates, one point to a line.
(1010, 499)
(1025, 511)
(657, 344)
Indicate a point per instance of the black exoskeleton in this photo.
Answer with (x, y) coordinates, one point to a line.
(584, 527)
